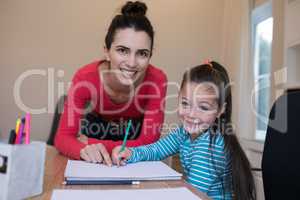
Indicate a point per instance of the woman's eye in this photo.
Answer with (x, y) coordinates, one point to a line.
(143, 54)
(122, 51)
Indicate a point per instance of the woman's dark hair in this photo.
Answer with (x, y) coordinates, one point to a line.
(243, 185)
(133, 15)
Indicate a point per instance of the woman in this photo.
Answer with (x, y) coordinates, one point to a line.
(120, 88)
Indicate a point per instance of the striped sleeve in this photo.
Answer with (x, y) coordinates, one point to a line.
(163, 148)
(208, 164)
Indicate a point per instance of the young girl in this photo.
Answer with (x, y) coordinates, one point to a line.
(210, 154)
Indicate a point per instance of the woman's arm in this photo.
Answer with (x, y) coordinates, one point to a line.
(66, 137)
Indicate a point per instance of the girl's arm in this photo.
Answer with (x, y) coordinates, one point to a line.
(166, 146)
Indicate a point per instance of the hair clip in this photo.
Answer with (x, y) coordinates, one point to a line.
(208, 62)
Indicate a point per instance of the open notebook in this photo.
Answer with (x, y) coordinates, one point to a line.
(134, 194)
(150, 170)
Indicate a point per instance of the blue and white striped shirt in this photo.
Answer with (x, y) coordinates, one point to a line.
(206, 165)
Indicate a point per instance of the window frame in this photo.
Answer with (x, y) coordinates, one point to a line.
(258, 15)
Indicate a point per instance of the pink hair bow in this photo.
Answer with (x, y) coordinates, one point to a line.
(207, 62)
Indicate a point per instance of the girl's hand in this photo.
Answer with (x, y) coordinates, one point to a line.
(95, 153)
(119, 158)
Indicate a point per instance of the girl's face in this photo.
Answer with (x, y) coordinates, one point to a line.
(198, 106)
(129, 55)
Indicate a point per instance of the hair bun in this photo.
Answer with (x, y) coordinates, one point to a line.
(136, 8)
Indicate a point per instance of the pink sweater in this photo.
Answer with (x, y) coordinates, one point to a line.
(148, 101)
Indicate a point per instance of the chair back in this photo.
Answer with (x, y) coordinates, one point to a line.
(55, 123)
(281, 155)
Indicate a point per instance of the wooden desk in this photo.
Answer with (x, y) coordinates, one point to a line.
(54, 175)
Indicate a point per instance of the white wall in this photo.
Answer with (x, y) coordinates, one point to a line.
(66, 34)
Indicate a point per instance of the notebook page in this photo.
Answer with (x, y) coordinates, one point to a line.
(150, 170)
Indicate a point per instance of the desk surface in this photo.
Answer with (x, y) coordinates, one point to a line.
(54, 175)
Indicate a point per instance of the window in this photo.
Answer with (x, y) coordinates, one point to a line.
(262, 34)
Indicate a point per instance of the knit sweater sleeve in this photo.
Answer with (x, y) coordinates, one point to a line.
(66, 136)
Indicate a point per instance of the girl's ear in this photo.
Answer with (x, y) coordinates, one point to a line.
(222, 110)
(106, 54)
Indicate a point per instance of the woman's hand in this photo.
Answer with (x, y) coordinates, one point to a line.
(83, 139)
(119, 158)
(95, 153)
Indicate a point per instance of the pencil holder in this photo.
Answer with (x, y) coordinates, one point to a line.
(21, 170)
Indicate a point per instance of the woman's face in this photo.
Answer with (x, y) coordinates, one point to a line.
(198, 106)
(129, 55)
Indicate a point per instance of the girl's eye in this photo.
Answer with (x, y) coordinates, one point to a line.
(185, 104)
(204, 108)
(207, 108)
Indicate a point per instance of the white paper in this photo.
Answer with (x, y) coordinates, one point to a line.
(150, 170)
(134, 194)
